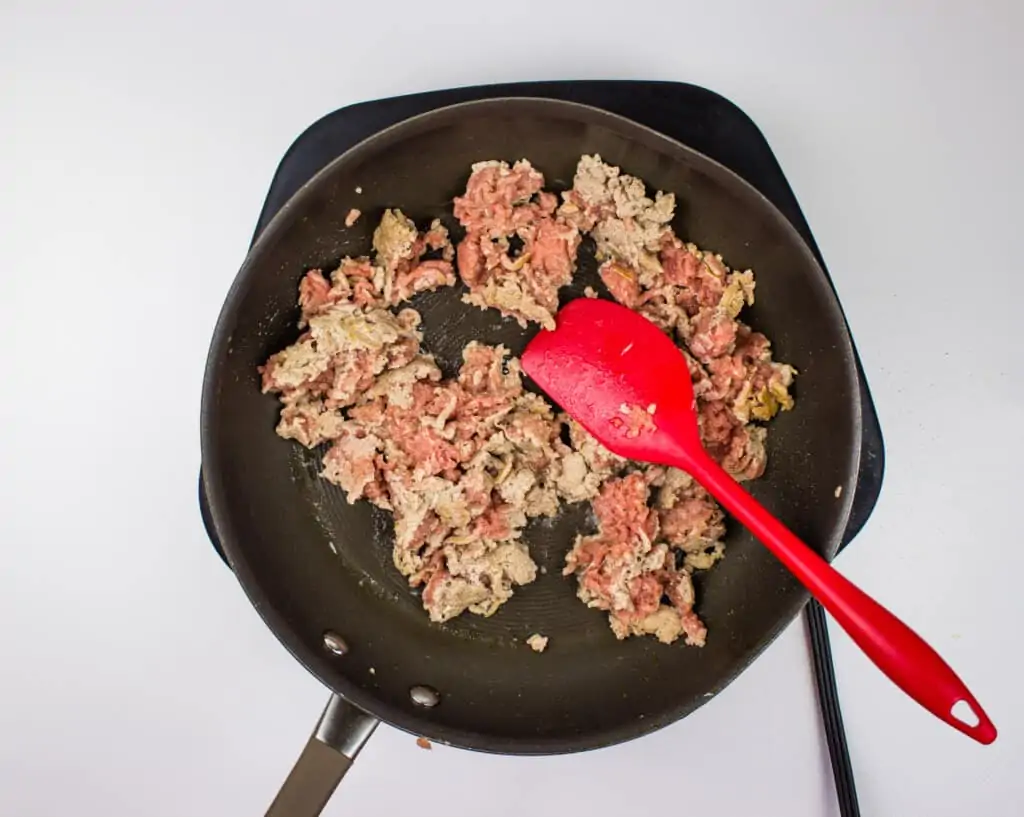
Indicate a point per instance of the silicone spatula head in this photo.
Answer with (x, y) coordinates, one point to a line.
(621, 378)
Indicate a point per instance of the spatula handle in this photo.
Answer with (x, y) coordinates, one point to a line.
(894, 648)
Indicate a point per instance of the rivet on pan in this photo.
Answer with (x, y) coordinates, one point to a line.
(424, 696)
(335, 643)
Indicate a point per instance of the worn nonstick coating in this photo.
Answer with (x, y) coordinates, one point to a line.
(311, 563)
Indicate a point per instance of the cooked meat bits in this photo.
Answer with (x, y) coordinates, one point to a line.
(463, 463)
(502, 203)
(630, 567)
(537, 642)
(693, 296)
(629, 570)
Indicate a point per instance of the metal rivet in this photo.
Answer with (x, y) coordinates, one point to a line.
(335, 643)
(425, 696)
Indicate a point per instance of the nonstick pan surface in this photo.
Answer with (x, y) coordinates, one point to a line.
(312, 564)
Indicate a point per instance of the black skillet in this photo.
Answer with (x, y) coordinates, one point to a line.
(319, 571)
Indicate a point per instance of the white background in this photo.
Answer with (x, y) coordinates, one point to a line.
(136, 144)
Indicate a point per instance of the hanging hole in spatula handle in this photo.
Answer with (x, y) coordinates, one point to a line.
(963, 712)
(967, 716)
(902, 654)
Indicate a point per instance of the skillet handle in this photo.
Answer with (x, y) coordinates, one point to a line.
(330, 751)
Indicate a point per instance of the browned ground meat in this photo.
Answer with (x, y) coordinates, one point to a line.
(500, 203)
(627, 571)
(463, 463)
(629, 568)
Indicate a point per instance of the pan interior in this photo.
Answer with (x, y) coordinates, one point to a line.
(312, 563)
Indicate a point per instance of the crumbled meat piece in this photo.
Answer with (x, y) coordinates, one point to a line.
(738, 447)
(396, 385)
(423, 743)
(666, 624)
(309, 422)
(575, 480)
(315, 293)
(400, 251)
(493, 192)
(502, 203)
(628, 570)
(622, 282)
(626, 225)
(478, 579)
(436, 238)
(344, 349)
(352, 217)
(351, 462)
(394, 238)
(635, 420)
(698, 284)
(424, 276)
(463, 463)
(746, 457)
(690, 520)
(537, 642)
(598, 458)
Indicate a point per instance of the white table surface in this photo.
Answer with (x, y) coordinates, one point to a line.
(136, 144)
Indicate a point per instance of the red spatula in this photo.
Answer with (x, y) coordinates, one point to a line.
(603, 358)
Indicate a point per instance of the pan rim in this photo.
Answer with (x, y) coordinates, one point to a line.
(224, 527)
